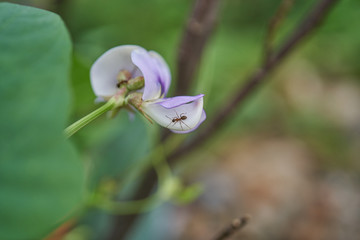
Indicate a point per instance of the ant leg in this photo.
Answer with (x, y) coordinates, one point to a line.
(177, 115)
(181, 126)
(186, 125)
(170, 121)
(176, 123)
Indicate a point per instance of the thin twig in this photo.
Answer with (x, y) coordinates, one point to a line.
(196, 35)
(223, 114)
(274, 26)
(236, 225)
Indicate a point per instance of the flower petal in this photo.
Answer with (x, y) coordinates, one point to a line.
(105, 69)
(163, 72)
(203, 117)
(177, 101)
(171, 117)
(148, 66)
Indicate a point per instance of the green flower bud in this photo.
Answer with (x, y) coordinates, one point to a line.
(122, 77)
(171, 187)
(135, 83)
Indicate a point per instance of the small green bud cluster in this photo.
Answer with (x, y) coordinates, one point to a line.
(127, 93)
(125, 79)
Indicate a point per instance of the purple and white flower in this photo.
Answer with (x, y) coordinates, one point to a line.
(180, 114)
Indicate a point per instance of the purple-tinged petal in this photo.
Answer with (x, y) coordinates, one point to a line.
(202, 119)
(99, 100)
(163, 72)
(147, 65)
(177, 101)
(105, 69)
(182, 117)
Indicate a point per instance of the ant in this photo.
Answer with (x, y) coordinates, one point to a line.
(178, 119)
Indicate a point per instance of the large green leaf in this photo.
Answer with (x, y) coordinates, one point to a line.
(41, 178)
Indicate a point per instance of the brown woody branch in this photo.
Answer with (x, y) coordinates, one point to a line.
(310, 22)
(196, 35)
(236, 225)
(274, 25)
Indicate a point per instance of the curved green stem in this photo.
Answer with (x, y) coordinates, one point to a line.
(166, 185)
(76, 126)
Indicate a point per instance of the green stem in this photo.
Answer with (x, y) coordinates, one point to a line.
(165, 186)
(76, 126)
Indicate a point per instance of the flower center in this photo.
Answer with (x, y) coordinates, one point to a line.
(122, 78)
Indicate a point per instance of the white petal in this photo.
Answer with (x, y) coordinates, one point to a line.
(99, 100)
(147, 65)
(171, 117)
(105, 69)
(202, 119)
(163, 71)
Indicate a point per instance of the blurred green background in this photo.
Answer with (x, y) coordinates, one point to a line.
(289, 157)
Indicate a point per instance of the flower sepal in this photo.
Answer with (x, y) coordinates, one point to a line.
(135, 100)
(126, 86)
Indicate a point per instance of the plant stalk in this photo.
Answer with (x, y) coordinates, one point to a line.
(76, 126)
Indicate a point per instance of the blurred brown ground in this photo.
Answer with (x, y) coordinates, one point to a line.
(282, 181)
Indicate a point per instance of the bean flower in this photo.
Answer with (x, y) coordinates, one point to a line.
(133, 64)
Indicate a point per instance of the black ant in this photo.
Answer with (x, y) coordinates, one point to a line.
(178, 119)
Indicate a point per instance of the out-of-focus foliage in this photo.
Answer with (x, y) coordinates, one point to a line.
(308, 111)
(41, 177)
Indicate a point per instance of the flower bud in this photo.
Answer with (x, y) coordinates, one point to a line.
(135, 83)
(170, 188)
(122, 77)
